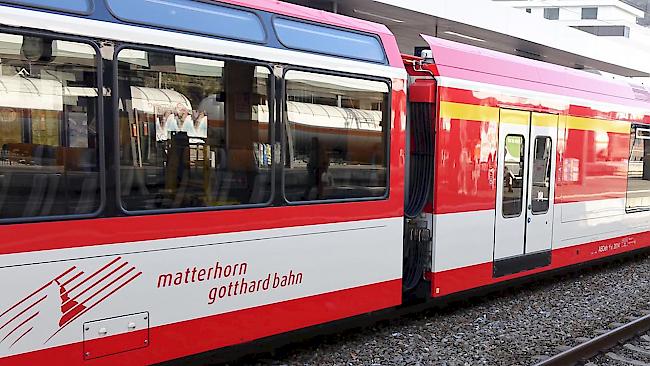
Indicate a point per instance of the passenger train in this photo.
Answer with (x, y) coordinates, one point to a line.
(182, 176)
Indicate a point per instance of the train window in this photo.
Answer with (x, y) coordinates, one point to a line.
(192, 16)
(329, 41)
(513, 175)
(336, 130)
(73, 6)
(194, 132)
(638, 173)
(541, 175)
(48, 128)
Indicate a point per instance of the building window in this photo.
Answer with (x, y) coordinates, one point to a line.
(606, 30)
(337, 137)
(638, 172)
(529, 10)
(193, 132)
(552, 13)
(49, 162)
(589, 13)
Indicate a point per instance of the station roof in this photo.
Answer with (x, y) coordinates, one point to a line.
(498, 27)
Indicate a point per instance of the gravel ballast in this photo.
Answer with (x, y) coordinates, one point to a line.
(515, 327)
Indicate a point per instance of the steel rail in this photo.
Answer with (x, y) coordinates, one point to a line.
(603, 342)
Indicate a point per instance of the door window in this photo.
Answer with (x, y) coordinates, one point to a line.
(513, 175)
(541, 175)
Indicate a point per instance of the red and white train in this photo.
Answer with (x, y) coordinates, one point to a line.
(180, 176)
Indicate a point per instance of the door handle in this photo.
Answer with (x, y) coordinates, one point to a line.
(529, 220)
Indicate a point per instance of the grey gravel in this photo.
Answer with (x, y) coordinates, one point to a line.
(520, 326)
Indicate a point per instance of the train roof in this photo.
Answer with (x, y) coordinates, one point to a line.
(466, 62)
(270, 23)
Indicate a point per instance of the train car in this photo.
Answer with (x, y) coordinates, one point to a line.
(182, 176)
(537, 166)
(171, 187)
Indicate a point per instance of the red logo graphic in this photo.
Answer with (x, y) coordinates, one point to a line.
(78, 293)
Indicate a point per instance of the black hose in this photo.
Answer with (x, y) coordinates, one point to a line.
(414, 261)
(421, 159)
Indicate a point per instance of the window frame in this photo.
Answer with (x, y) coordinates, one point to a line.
(308, 22)
(116, 124)
(101, 151)
(523, 198)
(549, 171)
(628, 209)
(282, 100)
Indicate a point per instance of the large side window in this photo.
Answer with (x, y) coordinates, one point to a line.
(48, 128)
(337, 137)
(193, 132)
(638, 174)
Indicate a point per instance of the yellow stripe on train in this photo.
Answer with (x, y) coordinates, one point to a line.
(474, 112)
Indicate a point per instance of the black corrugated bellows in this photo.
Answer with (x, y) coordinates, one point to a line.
(421, 159)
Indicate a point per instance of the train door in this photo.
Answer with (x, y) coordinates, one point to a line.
(524, 200)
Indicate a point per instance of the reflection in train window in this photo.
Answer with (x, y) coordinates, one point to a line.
(638, 173)
(48, 128)
(336, 137)
(513, 175)
(193, 132)
(541, 175)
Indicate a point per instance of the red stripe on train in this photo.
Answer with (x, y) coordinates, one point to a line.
(465, 278)
(173, 341)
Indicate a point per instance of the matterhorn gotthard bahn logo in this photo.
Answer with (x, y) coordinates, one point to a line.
(46, 311)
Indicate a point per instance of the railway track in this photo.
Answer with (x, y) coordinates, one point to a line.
(607, 348)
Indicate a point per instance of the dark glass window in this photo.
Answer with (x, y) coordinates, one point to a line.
(329, 41)
(638, 173)
(552, 13)
(192, 16)
(541, 175)
(336, 137)
(74, 6)
(589, 13)
(513, 175)
(193, 132)
(48, 128)
(606, 30)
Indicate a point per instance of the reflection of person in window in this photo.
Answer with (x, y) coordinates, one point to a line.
(316, 169)
(508, 178)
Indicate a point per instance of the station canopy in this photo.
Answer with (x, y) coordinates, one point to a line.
(498, 27)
